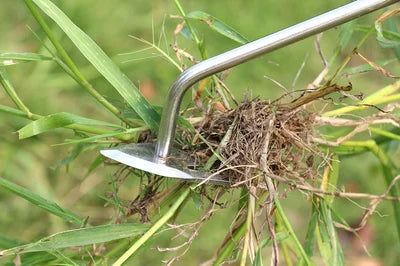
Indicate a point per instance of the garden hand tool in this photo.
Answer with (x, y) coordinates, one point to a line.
(154, 157)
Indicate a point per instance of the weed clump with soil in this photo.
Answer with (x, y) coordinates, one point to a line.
(260, 136)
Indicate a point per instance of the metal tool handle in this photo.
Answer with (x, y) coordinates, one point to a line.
(250, 51)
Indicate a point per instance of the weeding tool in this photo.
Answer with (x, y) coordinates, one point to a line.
(154, 157)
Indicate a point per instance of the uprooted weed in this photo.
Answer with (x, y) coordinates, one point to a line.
(262, 136)
(258, 145)
(258, 131)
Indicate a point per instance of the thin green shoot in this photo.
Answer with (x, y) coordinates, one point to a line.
(159, 50)
(165, 218)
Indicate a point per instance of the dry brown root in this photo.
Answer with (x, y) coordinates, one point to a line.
(287, 132)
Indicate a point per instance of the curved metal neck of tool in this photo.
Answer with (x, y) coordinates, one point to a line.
(250, 51)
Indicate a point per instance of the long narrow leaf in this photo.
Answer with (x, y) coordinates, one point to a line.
(42, 258)
(141, 241)
(80, 237)
(346, 31)
(57, 120)
(280, 236)
(6, 242)
(383, 41)
(7, 59)
(218, 26)
(129, 131)
(101, 62)
(310, 236)
(392, 27)
(291, 232)
(41, 202)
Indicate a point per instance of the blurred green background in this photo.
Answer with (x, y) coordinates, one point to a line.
(34, 162)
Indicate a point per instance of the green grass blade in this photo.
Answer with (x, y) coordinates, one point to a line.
(230, 246)
(96, 163)
(65, 259)
(365, 68)
(385, 133)
(280, 236)
(81, 128)
(170, 213)
(128, 134)
(41, 258)
(7, 59)
(328, 241)
(58, 120)
(102, 63)
(384, 41)
(80, 237)
(346, 31)
(200, 43)
(389, 34)
(310, 236)
(391, 24)
(72, 155)
(12, 111)
(5, 81)
(218, 26)
(390, 173)
(291, 231)
(6, 242)
(381, 96)
(41, 202)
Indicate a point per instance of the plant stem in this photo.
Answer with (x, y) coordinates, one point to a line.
(387, 169)
(154, 228)
(158, 49)
(249, 221)
(231, 244)
(384, 133)
(68, 61)
(5, 81)
(383, 95)
(348, 58)
(191, 29)
(286, 255)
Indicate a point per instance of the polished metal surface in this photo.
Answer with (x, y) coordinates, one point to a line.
(141, 156)
(247, 52)
(153, 157)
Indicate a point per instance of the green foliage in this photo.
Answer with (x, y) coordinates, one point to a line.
(42, 203)
(218, 26)
(80, 237)
(134, 237)
(102, 63)
(383, 41)
(8, 59)
(58, 120)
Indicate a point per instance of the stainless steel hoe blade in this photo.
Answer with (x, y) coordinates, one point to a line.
(142, 156)
(154, 158)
